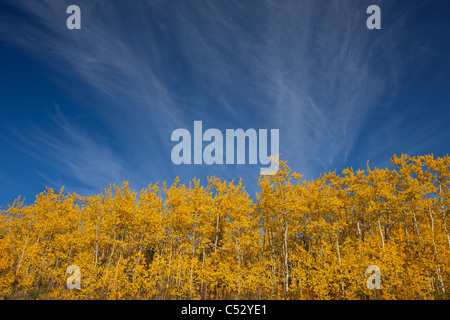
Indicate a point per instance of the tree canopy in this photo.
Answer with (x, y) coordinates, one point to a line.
(299, 239)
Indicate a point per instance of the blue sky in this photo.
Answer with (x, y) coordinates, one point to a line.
(85, 108)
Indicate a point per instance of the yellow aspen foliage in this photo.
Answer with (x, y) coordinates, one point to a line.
(297, 239)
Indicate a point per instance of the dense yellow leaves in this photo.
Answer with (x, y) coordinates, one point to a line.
(298, 240)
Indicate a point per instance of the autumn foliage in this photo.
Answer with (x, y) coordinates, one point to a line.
(298, 239)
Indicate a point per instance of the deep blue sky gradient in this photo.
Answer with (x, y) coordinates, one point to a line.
(85, 108)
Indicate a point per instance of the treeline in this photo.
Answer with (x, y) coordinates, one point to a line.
(299, 240)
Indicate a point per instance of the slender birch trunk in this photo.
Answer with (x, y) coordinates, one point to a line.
(381, 232)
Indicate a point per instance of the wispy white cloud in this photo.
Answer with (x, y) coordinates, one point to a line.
(74, 152)
(116, 70)
(305, 68)
(310, 69)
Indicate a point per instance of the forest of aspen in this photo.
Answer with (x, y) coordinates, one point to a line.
(296, 239)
